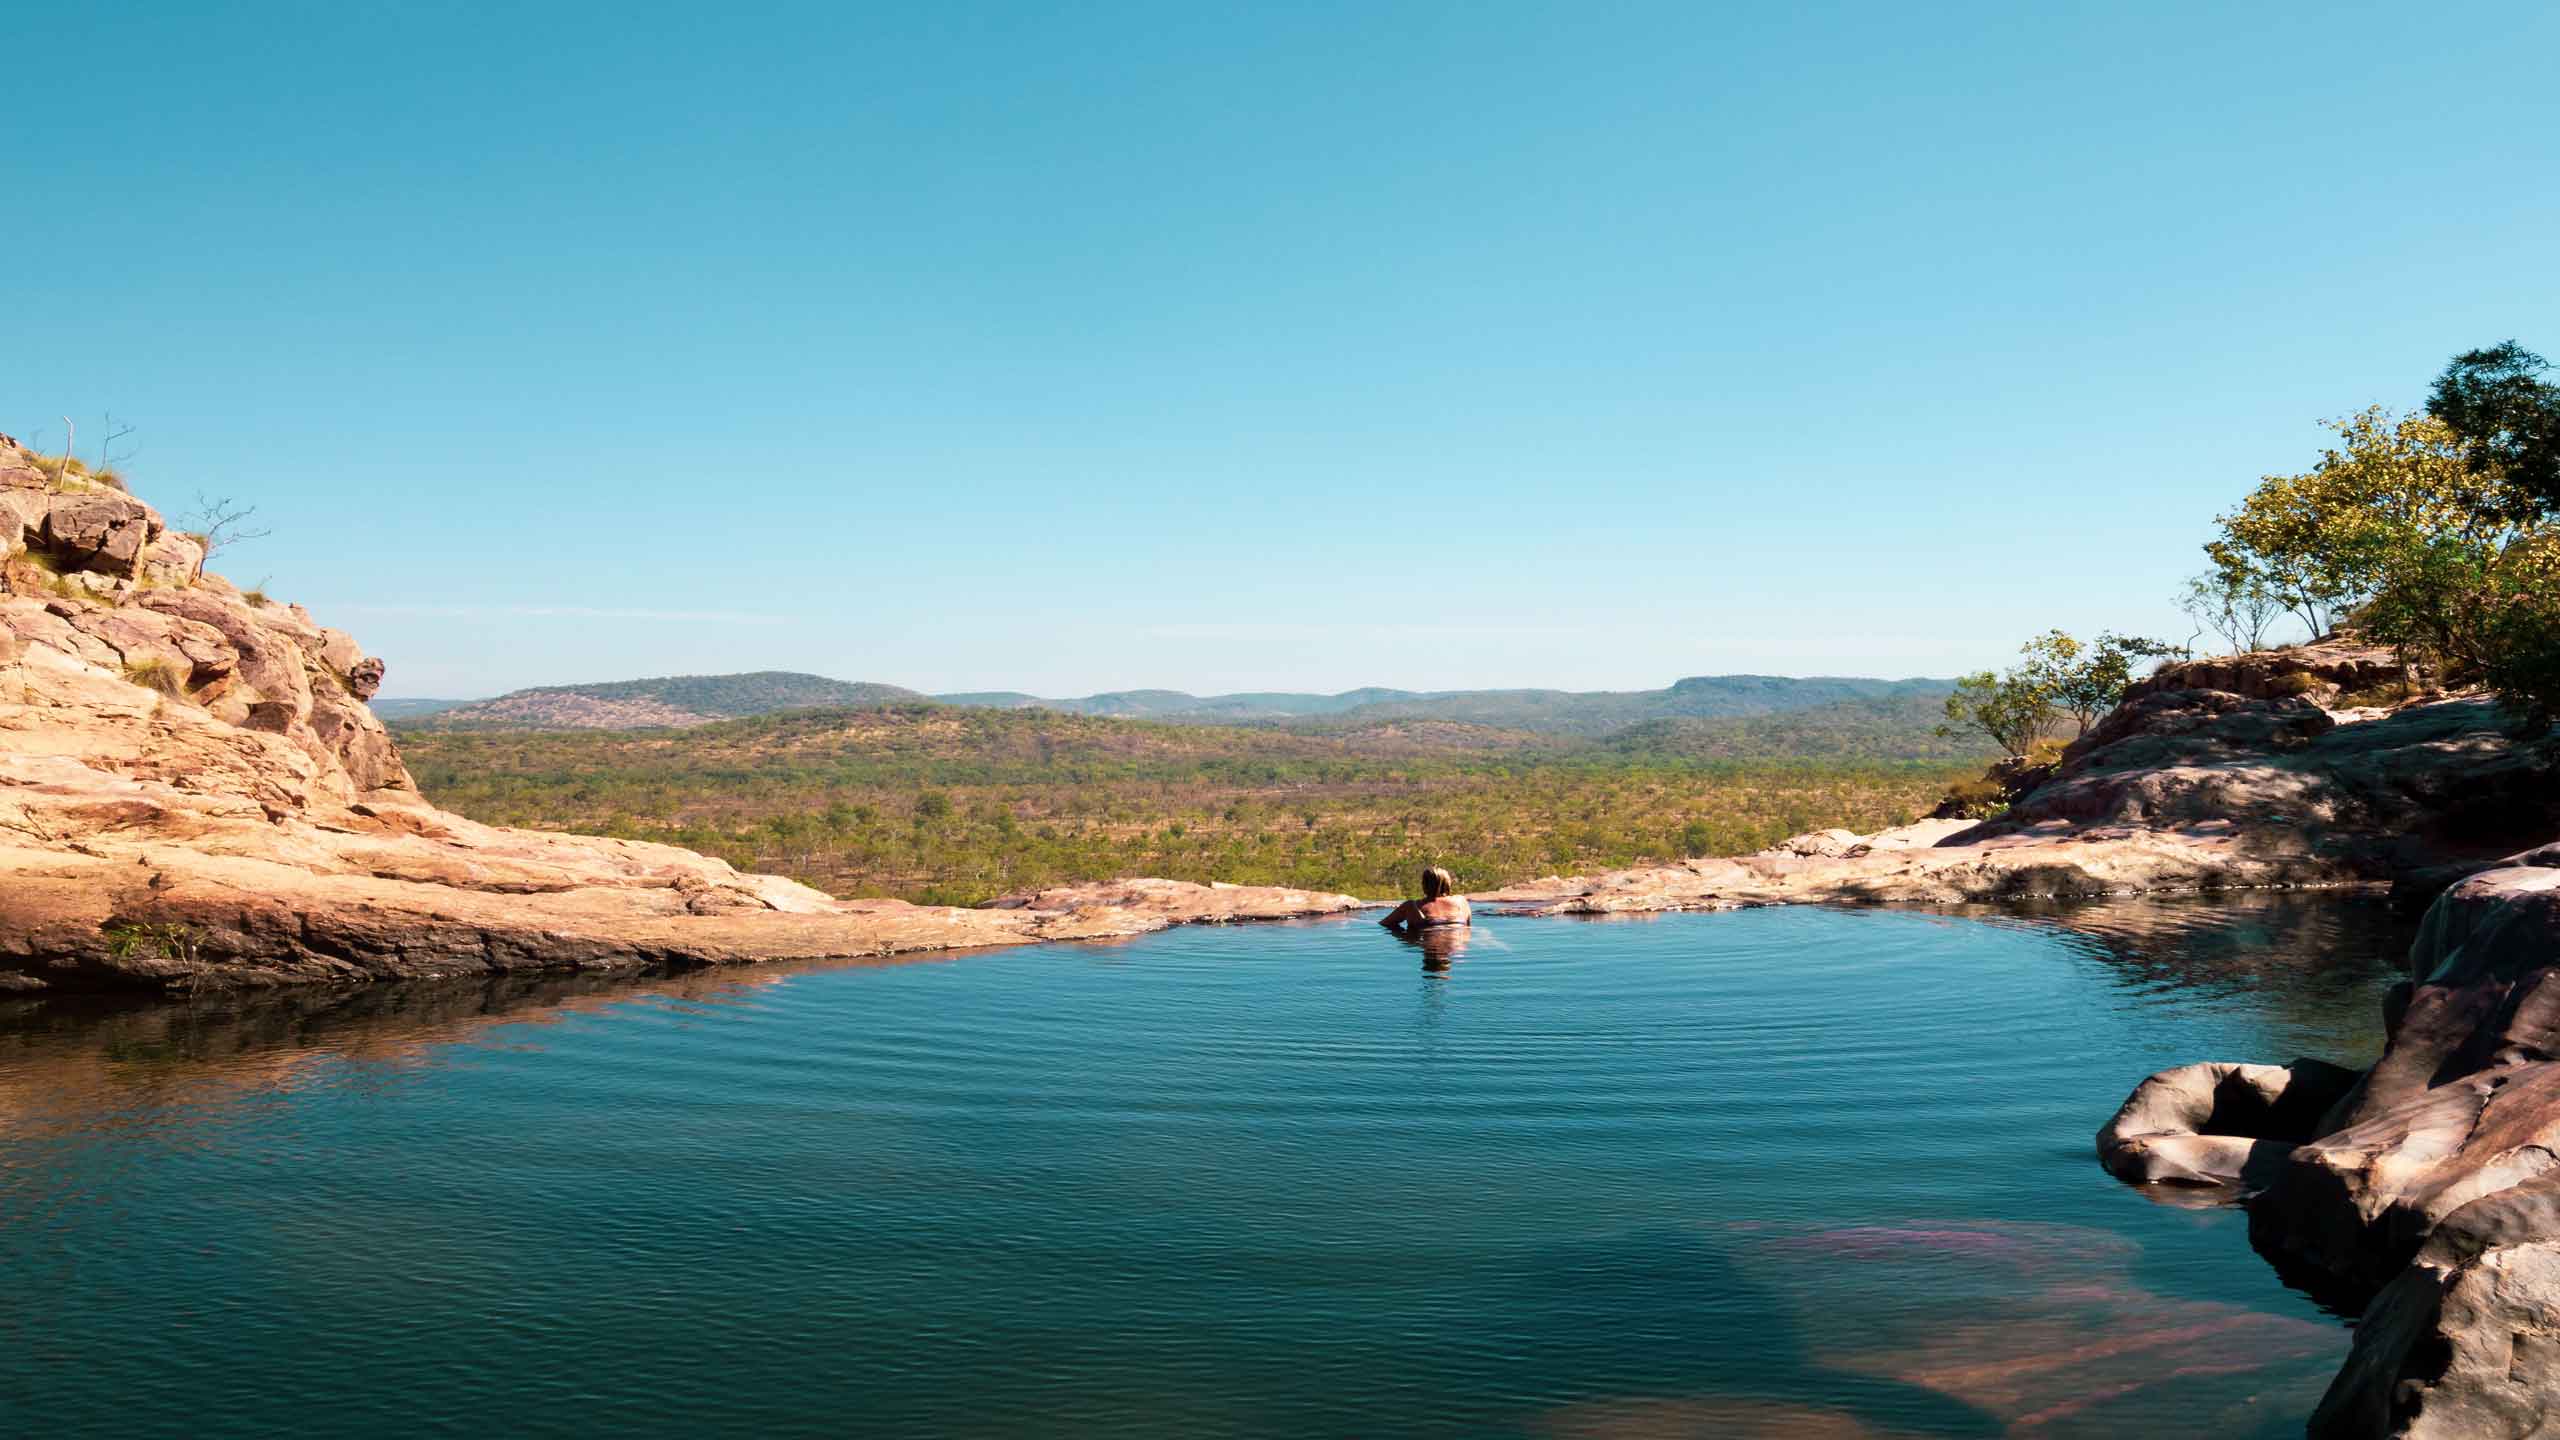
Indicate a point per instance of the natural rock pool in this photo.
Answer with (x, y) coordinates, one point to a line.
(1781, 1172)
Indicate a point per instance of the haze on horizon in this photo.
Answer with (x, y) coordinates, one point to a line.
(970, 347)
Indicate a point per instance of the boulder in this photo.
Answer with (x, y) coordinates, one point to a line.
(20, 468)
(99, 530)
(2322, 670)
(2217, 1123)
(338, 650)
(173, 560)
(2460, 1344)
(22, 514)
(2193, 725)
(270, 662)
(210, 658)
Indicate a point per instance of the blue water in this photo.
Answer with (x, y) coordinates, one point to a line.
(1784, 1172)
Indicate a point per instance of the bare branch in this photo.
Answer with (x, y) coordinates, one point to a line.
(223, 523)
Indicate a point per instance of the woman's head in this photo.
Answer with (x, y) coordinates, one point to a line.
(1436, 882)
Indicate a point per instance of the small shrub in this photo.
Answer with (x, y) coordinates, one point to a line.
(1980, 798)
(129, 939)
(257, 599)
(153, 672)
(2377, 697)
(2295, 682)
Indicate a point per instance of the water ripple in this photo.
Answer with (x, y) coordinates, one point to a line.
(1735, 1174)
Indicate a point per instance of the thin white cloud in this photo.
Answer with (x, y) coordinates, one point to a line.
(551, 612)
(1285, 630)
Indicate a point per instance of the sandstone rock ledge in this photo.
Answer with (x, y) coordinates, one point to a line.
(145, 842)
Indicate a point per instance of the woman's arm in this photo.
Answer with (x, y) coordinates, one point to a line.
(1406, 914)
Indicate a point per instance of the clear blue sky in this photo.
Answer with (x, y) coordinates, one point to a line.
(1064, 348)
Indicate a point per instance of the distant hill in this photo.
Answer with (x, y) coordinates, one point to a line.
(1593, 714)
(1900, 727)
(1180, 706)
(1821, 715)
(675, 701)
(1587, 714)
(394, 707)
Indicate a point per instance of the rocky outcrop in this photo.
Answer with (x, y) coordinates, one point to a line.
(2376, 797)
(2427, 1187)
(1916, 865)
(2182, 787)
(193, 792)
(2217, 1123)
(2323, 672)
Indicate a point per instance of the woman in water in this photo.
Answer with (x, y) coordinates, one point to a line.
(1440, 907)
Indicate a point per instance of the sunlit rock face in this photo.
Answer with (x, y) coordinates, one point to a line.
(2378, 796)
(2323, 672)
(2429, 1188)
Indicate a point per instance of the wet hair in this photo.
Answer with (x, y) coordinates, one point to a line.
(1436, 882)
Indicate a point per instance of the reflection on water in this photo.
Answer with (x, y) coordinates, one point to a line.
(2313, 960)
(1441, 945)
(88, 1061)
(1784, 1173)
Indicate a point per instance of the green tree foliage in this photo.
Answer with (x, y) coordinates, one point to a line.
(2239, 608)
(2056, 675)
(2086, 681)
(2009, 710)
(2400, 524)
(2506, 415)
(2521, 629)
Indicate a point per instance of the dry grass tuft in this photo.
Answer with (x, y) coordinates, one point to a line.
(153, 672)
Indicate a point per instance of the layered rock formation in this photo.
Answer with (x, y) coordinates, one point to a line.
(2426, 1188)
(193, 792)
